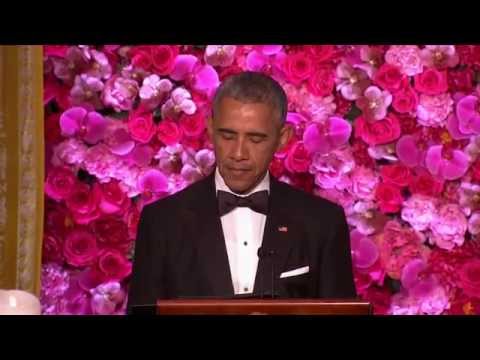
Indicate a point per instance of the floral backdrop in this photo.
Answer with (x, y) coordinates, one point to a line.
(389, 132)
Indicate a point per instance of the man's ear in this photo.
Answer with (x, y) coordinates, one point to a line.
(286, 133)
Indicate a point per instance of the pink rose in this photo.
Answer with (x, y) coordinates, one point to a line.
(80, 247)
(168, 132)
(113, 265)
(378, 132)
(113, 199)
(398, 175)
(83, 203)
(405, 100)
(431, 82)
(470, 278)
(298, 67)
(141, 126)
(364, 182)
(193, 125)
(163, 57)
(322, 81)
(120, 93)
(57, 220)
(448, 227)
(298, 158)
(389, 198)
(60, 183)
(389, 77)
(112, 233)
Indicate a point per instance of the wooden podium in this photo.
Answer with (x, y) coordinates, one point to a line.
(263, 307)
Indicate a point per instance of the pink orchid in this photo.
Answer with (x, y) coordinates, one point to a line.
(197, 165)
(141, 155)
(76, 61)
(325, 137)
(202, 78)
(90, 126)
(170, 158)
(154, 90)
(364, 250)
(469, 197)
(267, 59)
(468, 115)
(439, 56)
(382, 152)
(447, 164)
(107, 298)
(220, 55)
(372, 58)
(86, 91)
(101, 68)
(118, 139)
(366, 218)
(351, 82)
(152, 184)
(374, 103)
(411, 150)
(179, 101)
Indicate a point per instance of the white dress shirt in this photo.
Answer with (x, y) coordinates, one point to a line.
(243, 231)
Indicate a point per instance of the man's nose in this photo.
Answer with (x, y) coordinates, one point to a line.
(240, 152)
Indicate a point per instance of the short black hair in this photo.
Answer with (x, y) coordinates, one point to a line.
(253, 87)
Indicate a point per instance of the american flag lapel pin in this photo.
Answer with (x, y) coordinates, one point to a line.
(283, 229)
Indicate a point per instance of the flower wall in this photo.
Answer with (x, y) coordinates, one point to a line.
(391, 133)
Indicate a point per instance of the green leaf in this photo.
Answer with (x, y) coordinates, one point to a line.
(353, 113)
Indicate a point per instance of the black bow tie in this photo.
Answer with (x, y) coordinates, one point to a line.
(257, 201)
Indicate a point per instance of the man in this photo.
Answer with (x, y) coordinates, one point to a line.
(227, 234)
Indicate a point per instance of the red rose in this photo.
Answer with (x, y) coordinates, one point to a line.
(398, 175)
(389, 77)
(163, 57)
(112, 232)
(113, 199)
(424, 183)
(298, 159)
(80, 247)
(52, 249)
(193, 125)
(460, 80)
(142, 60)
(321, 53)
(57, 220)
(378, 132)
(431, 82)
(322, 81)
(168, 132)
(276, 168)
(470, 278)
(405, 100)
(83, 203)
(141, 126)
(298, 67)
(113, 265)
(60, 183)
(389, 198)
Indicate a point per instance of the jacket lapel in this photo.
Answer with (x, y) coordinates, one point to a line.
(279, 236)
(206, 229)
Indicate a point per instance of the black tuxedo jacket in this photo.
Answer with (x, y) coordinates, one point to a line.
(180, 250)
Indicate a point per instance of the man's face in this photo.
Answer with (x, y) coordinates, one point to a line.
(245, 137)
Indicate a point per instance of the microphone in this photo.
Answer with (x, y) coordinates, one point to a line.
(263, 253)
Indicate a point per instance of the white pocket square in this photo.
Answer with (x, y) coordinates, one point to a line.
(295, 272)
